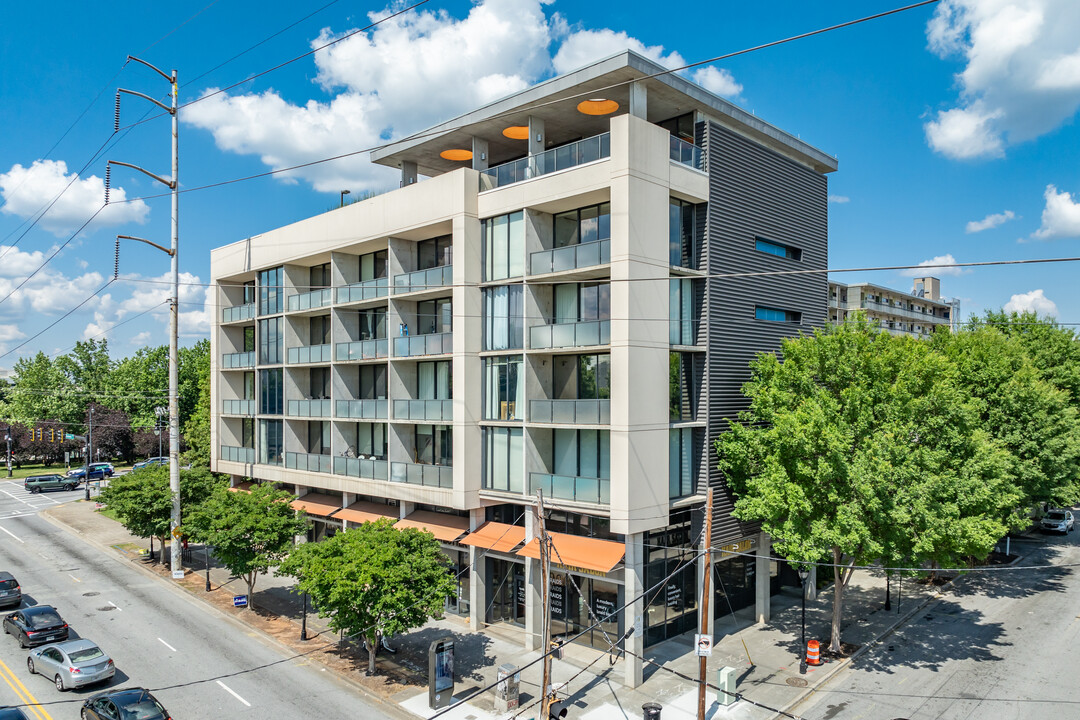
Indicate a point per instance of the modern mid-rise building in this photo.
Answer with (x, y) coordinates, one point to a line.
(916, 313)
(562, 296)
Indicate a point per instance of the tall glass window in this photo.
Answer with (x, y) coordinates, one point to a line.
(576, 302)
(434, 316)
(433, 380)
(681, 310)
(371, 440)
(249, 292)
(319, 383)
(271, 294)
(249, 338)
(270, 442)
(270, 341)
(680, 463)
(270, 392)
(435, 252)
(682, 234)
(373, 266)
(319, 330)
(319, 276)
(319, 437)
(582, 453)
(372, 324)
(247, 433)
(249, 386)
(372, 382)
(681, 127)
(504, 317)
(503, 459)
(504, 246)
(504, 388)
(581, 377)
(434, 444)
(683, 385)
(584, 225)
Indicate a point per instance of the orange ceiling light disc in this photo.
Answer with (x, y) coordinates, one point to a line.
(517, 132)
(456, 154)
(597, 106)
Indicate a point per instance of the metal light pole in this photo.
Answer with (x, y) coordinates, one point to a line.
(159, 412)
(888, 581)
(343, 194)
(303, 622)
(803, 574)
(8, 438)
(89, 452)
(206, 550)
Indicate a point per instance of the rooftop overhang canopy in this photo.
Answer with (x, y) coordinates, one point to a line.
(496, 536)
(446, 528)
(364, 511)
(317, 504)
(244, 487)
(574, 552)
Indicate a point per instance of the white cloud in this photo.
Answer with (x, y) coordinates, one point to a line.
(936, 271)
(1060, 217)
(141, 340)
(1021, 75)
(1034, 301)
(28, 190)
(839, 199)
(585, 46)
(718, 81)
(990, 221)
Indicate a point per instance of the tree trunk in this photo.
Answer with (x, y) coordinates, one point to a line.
(838, 601)
(162, 539)
(372, 646)
(250, 580)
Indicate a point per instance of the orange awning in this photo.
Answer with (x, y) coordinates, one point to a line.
(579, 553)
(241, 487)
(496, 536)
(364, 511)
(446, 528)
(318, 504)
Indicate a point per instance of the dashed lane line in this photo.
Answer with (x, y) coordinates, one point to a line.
(233, 693)
(12, 534)
(167, 645)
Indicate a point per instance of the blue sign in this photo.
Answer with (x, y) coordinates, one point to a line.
(239, 601)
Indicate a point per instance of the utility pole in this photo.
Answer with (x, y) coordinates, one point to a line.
(8, 437)
(702, 670)
(89, 447)
(174, 304)
(545, 594)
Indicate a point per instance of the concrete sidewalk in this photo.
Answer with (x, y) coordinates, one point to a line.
(766, 657)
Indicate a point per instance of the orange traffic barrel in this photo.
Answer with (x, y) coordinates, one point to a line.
(813, 652)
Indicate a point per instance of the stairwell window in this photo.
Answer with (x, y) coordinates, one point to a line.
(777, 249)
(776, 315)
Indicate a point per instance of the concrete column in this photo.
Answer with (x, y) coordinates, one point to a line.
(633, 583)
(763, 600)
(533, 602)
(406, 509)
(536, 136)
(479, 154)
(409, 174)
(477, 575)
(639, 100)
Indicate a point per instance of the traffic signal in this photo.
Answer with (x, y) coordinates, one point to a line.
(557, 710)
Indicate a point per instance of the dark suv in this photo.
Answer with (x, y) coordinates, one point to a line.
(10, 592)
(37, 483)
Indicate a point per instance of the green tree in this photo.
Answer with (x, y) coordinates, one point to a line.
(42, 391)
(88, 369)
(197, 429)
(374, 580)
(251, 532)
(140, 383)
(1054, 350)
(194, 369)
(857, 446)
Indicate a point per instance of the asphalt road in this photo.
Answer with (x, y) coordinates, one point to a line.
(15, 501)
(197, 663)
(1001, 645)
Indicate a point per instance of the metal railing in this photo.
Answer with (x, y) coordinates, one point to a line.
(570, 334)
(360, 468)
(309, 463)
(570, 257)
(361, 350)
(369, 409)
(231, 453)
(441, 476)
(902, 312)
(367, 290)
(238, 313)
(571, 412)
(309, 354)
(429, 279)
(310, 300)
(570, 487)
(308, 408)
(426, 410)
(418, 345)
(686, 153)
(238, 407)
(549, 161)
(231, 361)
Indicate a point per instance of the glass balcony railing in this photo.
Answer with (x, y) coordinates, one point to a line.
(431, 279)
(441, 476)
(361, 350)
(230, 453)
(360, 468)
(570, 257)
(419, 345)
(309, 463)
(238, 407)
(571, 412)
(686, 153)
(570, 334)
(311, 300)
(425, 410)
(369, 409)
(309, 354)
(549, 161)
(238, 313)
(569, 487)
(308, 408)
(367, 290)
(231, 361)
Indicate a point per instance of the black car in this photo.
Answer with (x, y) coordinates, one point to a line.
(36, 625)
(10, 592)
(12, 713)
(123, 704)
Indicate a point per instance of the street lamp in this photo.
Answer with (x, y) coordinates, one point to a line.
(343, 194)
(206, 550)
(303, 621)
(803, 574)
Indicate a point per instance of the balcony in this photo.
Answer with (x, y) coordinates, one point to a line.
(308, 463)
(571, 412)
(838, 304)
(238, 407)
(238, 313)
(367, 290)
(361, 350)
(230, 453)
(686, 153)
(899, 311)
(441, 476)
(310, 300)
(569, 335)
(420, 345)
(570, 257)
(568, 487)
(309, 354)
(431, 279)
(232, 361)
(549, 161)
(360, 468)
(308, 408)
(370, 409)
(424, 410)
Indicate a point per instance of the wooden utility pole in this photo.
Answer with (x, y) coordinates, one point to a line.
(702, 670)
(545, 593)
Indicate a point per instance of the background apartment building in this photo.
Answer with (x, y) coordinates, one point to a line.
(916, 313)
(555, 299)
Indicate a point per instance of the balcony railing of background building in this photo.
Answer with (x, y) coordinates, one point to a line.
(231, 361)
(571, 334)
(569, 487)
(238, 407)
(360, 468)
(361, 350)
(902, 312)
(571, 412)
(238, 313)
(308, 408)
(430, 279)
(311, 300)
(367, 290)
(419, 345)
(441, 476)
(570, 257)
(686, 153)
(309, 463)
(549, 161)
(231, 453)
(424, 410)
(368, 409)
(309, 354)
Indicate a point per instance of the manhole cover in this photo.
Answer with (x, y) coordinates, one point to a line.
(106, 608)
(90, 594)
(796, 682)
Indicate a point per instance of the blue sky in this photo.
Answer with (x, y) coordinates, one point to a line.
(954, 125)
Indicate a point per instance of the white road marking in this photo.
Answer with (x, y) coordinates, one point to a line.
(11, 534)
(167, 645)
(233, 693)
(14, 498)
(116, 606)
(74, 578)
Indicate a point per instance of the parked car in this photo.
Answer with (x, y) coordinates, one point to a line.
(98, 471)
(12, 713)
(37, 483)
(71, 664)
(36, 625)
(1057, 521)
(10, 592)
(149, 462)
(123, 704)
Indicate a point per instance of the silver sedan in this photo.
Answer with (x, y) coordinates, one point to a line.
(71, 664)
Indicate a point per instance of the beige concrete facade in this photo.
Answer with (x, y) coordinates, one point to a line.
(915, 313)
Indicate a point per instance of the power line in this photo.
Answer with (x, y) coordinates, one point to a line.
(60, 319)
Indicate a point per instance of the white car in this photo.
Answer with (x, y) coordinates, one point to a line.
(1057, 521)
